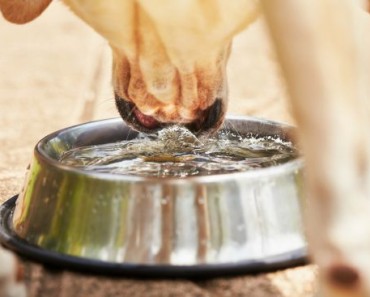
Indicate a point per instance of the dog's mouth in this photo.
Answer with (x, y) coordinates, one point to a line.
(146, 121)
(209, 120)
(135, 118)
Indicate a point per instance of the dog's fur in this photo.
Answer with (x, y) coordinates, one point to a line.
(169, 57)
(10, 276)
(324, 48)
(169, 66)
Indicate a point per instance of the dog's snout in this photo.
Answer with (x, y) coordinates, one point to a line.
(213, 115)
(207, 120)
(210, 119)
(132, 116)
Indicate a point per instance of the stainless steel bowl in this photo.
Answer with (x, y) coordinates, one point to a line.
(246, 220)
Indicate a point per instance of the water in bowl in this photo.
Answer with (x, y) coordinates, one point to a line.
(176, 152)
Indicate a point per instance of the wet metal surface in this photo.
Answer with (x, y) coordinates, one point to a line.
(124, 219)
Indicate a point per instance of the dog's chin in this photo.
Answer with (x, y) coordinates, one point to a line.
(208, 121)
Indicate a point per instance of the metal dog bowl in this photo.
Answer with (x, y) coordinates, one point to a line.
(197, 226)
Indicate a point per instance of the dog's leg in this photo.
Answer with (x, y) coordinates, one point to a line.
(322, 50)
(10, 285)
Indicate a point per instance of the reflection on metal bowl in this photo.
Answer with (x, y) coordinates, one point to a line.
(201, 222)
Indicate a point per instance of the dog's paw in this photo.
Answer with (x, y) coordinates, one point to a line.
(11, 284)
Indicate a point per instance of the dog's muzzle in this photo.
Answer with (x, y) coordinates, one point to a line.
(208, 120)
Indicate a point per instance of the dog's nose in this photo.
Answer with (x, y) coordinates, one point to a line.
(210, 119)
(207, 120)
(213, 115)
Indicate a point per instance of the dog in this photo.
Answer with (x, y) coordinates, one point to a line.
(159, 77)
(169, 59)
(10, 276)
(324, 52)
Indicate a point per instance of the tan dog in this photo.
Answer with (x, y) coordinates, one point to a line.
(169, 66)
(169, 62)
(10, 276)
(324, 49)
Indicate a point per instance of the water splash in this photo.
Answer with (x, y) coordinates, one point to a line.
(176, 152)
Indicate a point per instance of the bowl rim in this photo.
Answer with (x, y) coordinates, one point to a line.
(291, 166)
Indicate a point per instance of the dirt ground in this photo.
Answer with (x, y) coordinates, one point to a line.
(55, 72)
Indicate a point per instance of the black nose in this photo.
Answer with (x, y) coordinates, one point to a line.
(124, 107)
(208, 120)
(213, 115)
(211, 118)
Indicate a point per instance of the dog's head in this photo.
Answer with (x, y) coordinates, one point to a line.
(169, 56)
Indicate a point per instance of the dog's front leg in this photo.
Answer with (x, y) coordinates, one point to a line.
(322, 50)
(10, 276)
